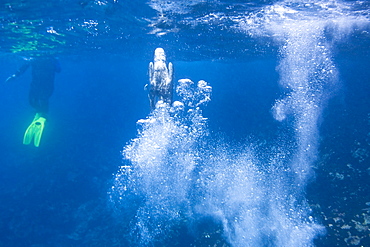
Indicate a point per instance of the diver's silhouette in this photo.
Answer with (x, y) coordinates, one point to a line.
(42, 87)
(160, 79)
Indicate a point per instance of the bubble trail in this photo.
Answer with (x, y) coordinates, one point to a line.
(161, 162)
(306, 72)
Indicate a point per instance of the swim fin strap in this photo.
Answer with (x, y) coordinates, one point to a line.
(34, 131)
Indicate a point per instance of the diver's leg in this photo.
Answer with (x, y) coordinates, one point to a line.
(43, 106)
(39, 101)
(33, 99)
(152, 99)
(167, 95)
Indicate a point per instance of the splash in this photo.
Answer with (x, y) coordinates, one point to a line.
(254, 194)
(161, 162)
(308, 77)
(306, 73)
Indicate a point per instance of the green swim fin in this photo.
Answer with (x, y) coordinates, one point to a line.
(34, 131)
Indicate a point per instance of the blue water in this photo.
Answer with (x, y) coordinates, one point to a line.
(274, 151)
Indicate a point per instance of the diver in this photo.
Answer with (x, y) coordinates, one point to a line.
(160, 79)
(41, 88)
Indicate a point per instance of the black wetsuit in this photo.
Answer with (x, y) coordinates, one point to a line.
(42, 84)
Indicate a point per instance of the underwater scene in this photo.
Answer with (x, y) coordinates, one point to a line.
(221, 123)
